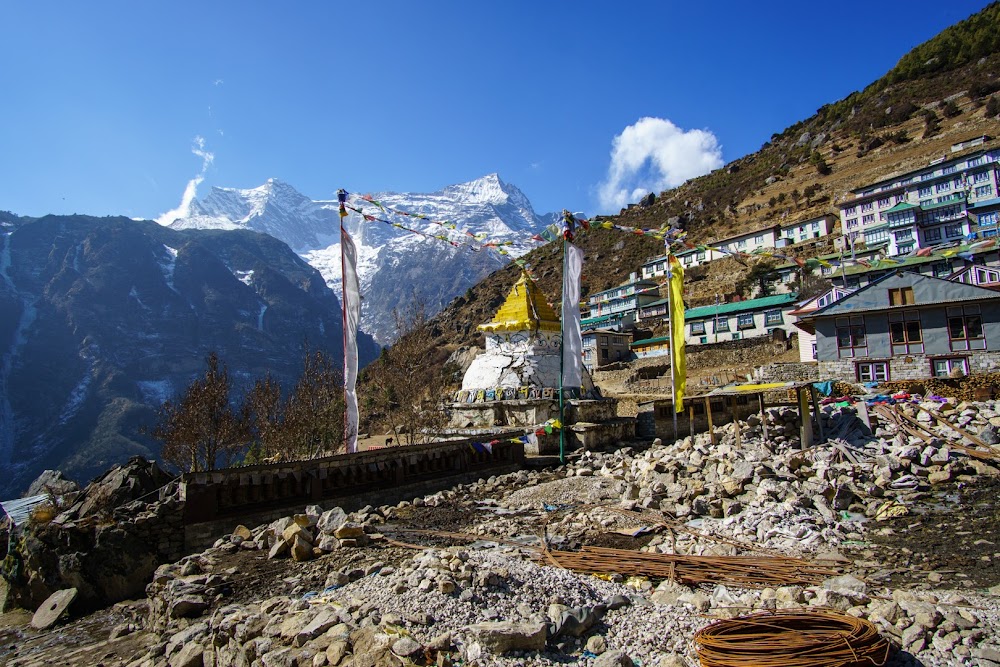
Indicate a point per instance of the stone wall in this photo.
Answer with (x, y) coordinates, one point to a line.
(257, 489)
(909, 367)
(789, 371)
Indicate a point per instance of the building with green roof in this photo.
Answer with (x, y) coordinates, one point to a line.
(741, 319)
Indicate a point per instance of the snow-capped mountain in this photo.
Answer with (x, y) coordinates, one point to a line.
(395, 266)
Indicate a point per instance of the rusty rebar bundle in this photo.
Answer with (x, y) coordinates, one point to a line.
(792, 639)
(746, 571)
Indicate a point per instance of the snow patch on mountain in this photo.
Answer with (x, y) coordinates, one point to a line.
(394, 265)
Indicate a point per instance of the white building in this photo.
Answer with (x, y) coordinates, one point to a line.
(924, 207)
(747, 242)
(808, 230)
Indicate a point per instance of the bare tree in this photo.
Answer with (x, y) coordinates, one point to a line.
(404, 387)
(201, 430)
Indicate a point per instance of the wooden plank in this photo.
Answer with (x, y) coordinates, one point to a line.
(691, 419)
(941, 420)
(862, 409)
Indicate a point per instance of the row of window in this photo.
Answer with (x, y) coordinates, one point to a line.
(878, 371)
(743, 321)
(965, 330)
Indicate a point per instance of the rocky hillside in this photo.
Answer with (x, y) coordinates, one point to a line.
(102, 319)
(938, 94)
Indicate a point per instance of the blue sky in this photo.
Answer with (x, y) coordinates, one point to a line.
(104, 102)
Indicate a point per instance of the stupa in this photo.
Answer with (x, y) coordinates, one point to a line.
(523, 350)
(514, 382)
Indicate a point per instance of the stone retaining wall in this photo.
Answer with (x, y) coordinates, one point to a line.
(789, 371)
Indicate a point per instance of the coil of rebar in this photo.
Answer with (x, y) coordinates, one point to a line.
(804, 638)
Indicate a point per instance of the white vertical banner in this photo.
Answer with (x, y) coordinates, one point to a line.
(572, 338)
(352, 313)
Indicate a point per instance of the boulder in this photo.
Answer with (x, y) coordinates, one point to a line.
(330, 520)
(504, 636)
(349, 530)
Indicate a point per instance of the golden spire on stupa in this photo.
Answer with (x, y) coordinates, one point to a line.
(525, 309)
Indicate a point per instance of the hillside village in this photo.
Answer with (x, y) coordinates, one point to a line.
(825, 494)
(940, 221)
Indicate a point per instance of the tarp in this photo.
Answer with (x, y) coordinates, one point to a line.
(19, 510)
(352, 313)
(572, 337)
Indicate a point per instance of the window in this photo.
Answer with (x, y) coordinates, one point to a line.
(932, 234)
(759, 239)
(877, 236)
(925, 192)
(980, 176)
(872, 371)
(867, 206)
(901, 296)
(772, 317)
(950, 367)
(944, 186)
(950, 169)
(905, 249)
(904, 235)
(851, 211)
(900, 198)
(882, 203)
(604, 354)
(904, 332)
(852, 223)
(703, 340)
(988, 219)
(742, 243)
(984, 191)
(700, 256)
(868, 219)
(721, 325)
(953, 231)
(736, 335)
(745, 321)
(965, 328)
(942, 270)
(851, 339)
(697, 328)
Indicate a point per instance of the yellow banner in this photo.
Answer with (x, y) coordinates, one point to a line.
(678, 356)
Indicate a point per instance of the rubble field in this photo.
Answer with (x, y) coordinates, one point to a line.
(895, 524)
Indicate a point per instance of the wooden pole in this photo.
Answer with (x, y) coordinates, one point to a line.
(736, 420)
(708, 411)
(819, 416)
(805, 432)
(763, 418)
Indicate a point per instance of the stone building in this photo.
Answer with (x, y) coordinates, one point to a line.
(908, 326)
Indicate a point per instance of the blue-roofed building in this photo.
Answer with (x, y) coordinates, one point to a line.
(908, 326)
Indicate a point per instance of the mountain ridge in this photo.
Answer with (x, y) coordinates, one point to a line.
(395, 266)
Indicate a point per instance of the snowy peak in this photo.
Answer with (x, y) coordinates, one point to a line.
(486, 190)
(486, 207)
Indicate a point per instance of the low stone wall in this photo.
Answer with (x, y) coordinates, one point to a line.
(259, 489)
(789, 371)
(911, 366)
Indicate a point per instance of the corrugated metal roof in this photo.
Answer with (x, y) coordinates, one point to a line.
(19, 510)
(650, 341)
(739, 306)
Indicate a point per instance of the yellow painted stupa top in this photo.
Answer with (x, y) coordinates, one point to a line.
(524, 309)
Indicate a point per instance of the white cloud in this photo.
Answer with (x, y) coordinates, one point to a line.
(653, 155)
(191, 191)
